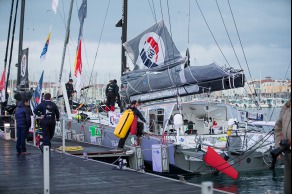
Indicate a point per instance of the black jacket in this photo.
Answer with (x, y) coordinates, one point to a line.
(48, 109)
(137, 113)
(69, 89)
(22, 116)
(112, 89)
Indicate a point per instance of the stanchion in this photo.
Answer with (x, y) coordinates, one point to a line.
(63, 136)
(207, 187)
(46, 158)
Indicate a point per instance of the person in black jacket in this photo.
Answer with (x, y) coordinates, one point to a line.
(49, 113)
(140, 126)
(111, 92)
(23, 123)
(70, 91)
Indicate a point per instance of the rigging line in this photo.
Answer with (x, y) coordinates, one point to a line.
(153, 14)
(62, 18)
(161, 11)
(228, 34)
(64, 10)
(8, 35)
(99, 40)
(11, 46)
(154, 10)
(189, 22)
(241, 44)
(170, 26)
(287, 70)
(212, 33)
(169, 18)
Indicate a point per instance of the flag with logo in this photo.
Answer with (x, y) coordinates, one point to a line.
(154, 48)
(55, 5)
(3, 86)
(45, 49)
(37, 95)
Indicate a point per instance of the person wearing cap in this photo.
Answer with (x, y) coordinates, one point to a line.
(23, 123)
(111, 92)
(133, 106)
(49, 113)
(70, 91)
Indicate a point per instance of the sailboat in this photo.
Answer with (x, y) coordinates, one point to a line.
(160, 74)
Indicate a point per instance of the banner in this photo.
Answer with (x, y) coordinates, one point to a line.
(22, 77)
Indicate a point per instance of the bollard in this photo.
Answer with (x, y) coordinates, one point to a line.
(207, 187)
(63, 137)
(85, 156)
(46, 159)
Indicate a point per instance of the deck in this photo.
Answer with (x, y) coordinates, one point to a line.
(73, 174)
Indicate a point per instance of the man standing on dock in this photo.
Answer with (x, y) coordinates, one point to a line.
(23, 123)
(283, 137)
(49, 113)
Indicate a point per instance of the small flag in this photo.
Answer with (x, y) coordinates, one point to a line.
(36, 97)
(55, 5)
(45, 49)
(2, 86)
(82, 14)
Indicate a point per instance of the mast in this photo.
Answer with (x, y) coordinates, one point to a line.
(20, 39)
(65, 42)
(124, 35)
(6, 53)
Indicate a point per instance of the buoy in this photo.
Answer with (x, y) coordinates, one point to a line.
(213, 159)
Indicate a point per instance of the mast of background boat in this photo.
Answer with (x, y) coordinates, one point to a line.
(65, 43)
(124, 24)
(6, 53)
(20, 40)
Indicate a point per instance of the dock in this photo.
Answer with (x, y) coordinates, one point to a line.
(74, 174)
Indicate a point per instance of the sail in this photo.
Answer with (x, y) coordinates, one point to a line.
(153, 49)
(36, 97)
(180, 81)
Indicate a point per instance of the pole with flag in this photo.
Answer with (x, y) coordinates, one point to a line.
(36, 97)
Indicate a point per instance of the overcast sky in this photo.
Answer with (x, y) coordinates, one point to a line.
(264, 27)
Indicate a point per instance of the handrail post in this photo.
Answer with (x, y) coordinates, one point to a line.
(63, 136)
(46, 158)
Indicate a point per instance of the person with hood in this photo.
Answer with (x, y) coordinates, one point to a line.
(23, 123)
(70, 91)
(111, 92)
(49, 113)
